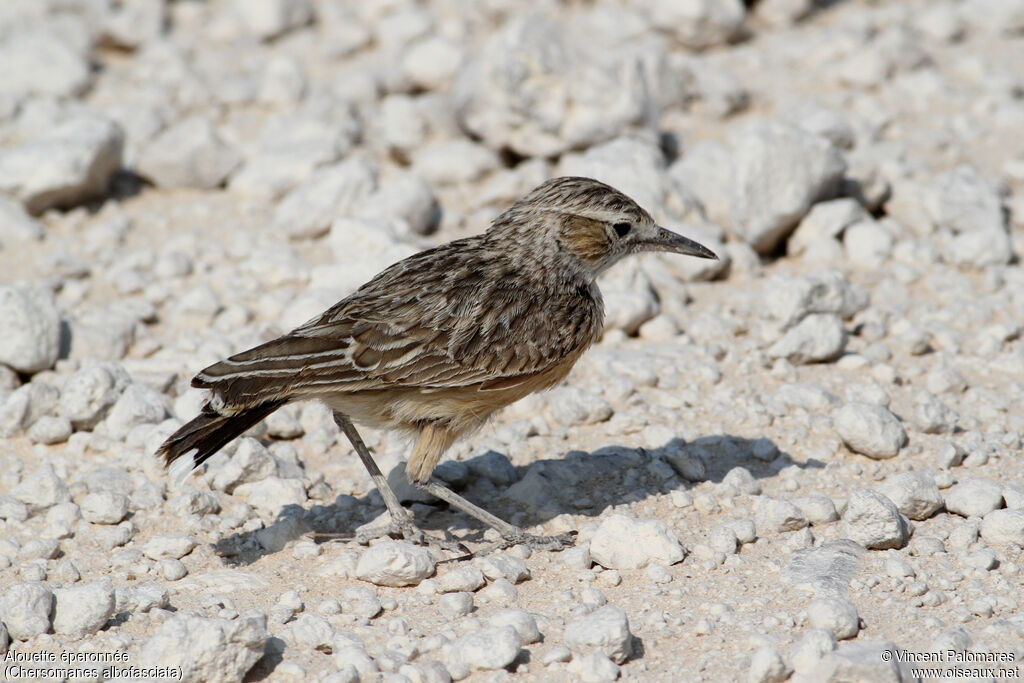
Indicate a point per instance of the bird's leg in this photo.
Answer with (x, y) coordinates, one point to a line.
(402, 520)
(510, 534)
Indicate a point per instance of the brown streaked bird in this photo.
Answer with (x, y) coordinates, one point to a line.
(438, 342)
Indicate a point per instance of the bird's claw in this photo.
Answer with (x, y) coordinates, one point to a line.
(408, 531)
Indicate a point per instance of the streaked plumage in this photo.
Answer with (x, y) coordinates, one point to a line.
(436, 343)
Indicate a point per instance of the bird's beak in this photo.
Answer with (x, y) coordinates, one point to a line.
(666, 240)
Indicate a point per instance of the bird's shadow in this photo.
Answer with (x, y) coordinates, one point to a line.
(579, 484)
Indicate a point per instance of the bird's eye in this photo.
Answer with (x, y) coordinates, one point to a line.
(622, 229)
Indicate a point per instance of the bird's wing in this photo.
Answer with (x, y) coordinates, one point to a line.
(445, 318)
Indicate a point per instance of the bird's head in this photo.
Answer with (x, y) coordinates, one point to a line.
(590, 223)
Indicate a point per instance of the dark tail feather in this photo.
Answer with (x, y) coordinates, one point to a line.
(207, 433)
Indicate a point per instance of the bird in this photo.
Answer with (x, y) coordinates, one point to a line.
(435, 344)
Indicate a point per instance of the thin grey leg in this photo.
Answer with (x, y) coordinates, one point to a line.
(511, 534)
(398, 513)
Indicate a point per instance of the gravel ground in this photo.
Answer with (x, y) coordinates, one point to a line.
(801, 462)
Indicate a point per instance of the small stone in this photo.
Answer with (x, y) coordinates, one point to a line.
(819, 337)
(696, 24)
(50, 430)
(767, 666)
(42, 489)
(16, 226)
(818, 509)
(594, 667)
(138, 405)
(604, 630)
(170, 546)
(31, 324)
(577, 557)
(463, 579)
(836, 615)
(456, 604)
(974, 497)
(575, 406)
(519, 619)
(82, 610)
(623, 542)
(105, 507)
(205, 649)
(808, 651)
(779, 171)
(915, 494)
(189, 153)
(773, 516)
(873, 521)
(26, 610)
(361, 601)
(331, 192)
(503, 566)
(89, 393)
(172, 570)
(870, 429)
(722, 538)
(395, 563)
(859, 661)
(493, 647)
(72, 163)
(311, 631)
(270, 19)
(273, 494)
(1004, 527)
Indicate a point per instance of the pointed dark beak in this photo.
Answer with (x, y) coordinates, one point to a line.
(666, 240)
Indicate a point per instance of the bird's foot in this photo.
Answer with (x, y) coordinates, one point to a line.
(407, 530)
(533, 542)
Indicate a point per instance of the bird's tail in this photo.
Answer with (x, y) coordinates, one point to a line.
(197, 440)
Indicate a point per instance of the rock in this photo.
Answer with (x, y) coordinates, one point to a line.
(533, 88)
(42, 63)
(572, 406)
(462, 579)
(914, 493)
(788, 300)
(623, 542)
(974, 497)
(269, 19)
(870, 429)
(503, 566)
(767, 666)
(595, 667)
(819, 337)
(432, 63)
(102, 333)
(493, 647)
(810, 396)
(142, 597)
(82, 610)
(964, 203)
(361, 601)
(772, 516)
(409, 197)
(72, 163)
(456, 604)
(26, 610)
(88, 394)
(134, 24)
(779, 171)
(868, 243)
(808, 651)
(331, 192)
(706, 170)
(313, 632)
(454, 162)
(190, 153)
(629, 296)
(138, 405)
(16, 226)
(873, 521)
(25, 405)
(50, 430)
(105, 507)
(1003, 527)
(519, 619)
(273, 494)
(251, 463)
(697, 24)
(42, 489)
(932, 416)
(394, 563)
(825, 220)
(31, 324)
(604, 630)
(15, 510)
(836, 615)
(169, 546)
(208, 650)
